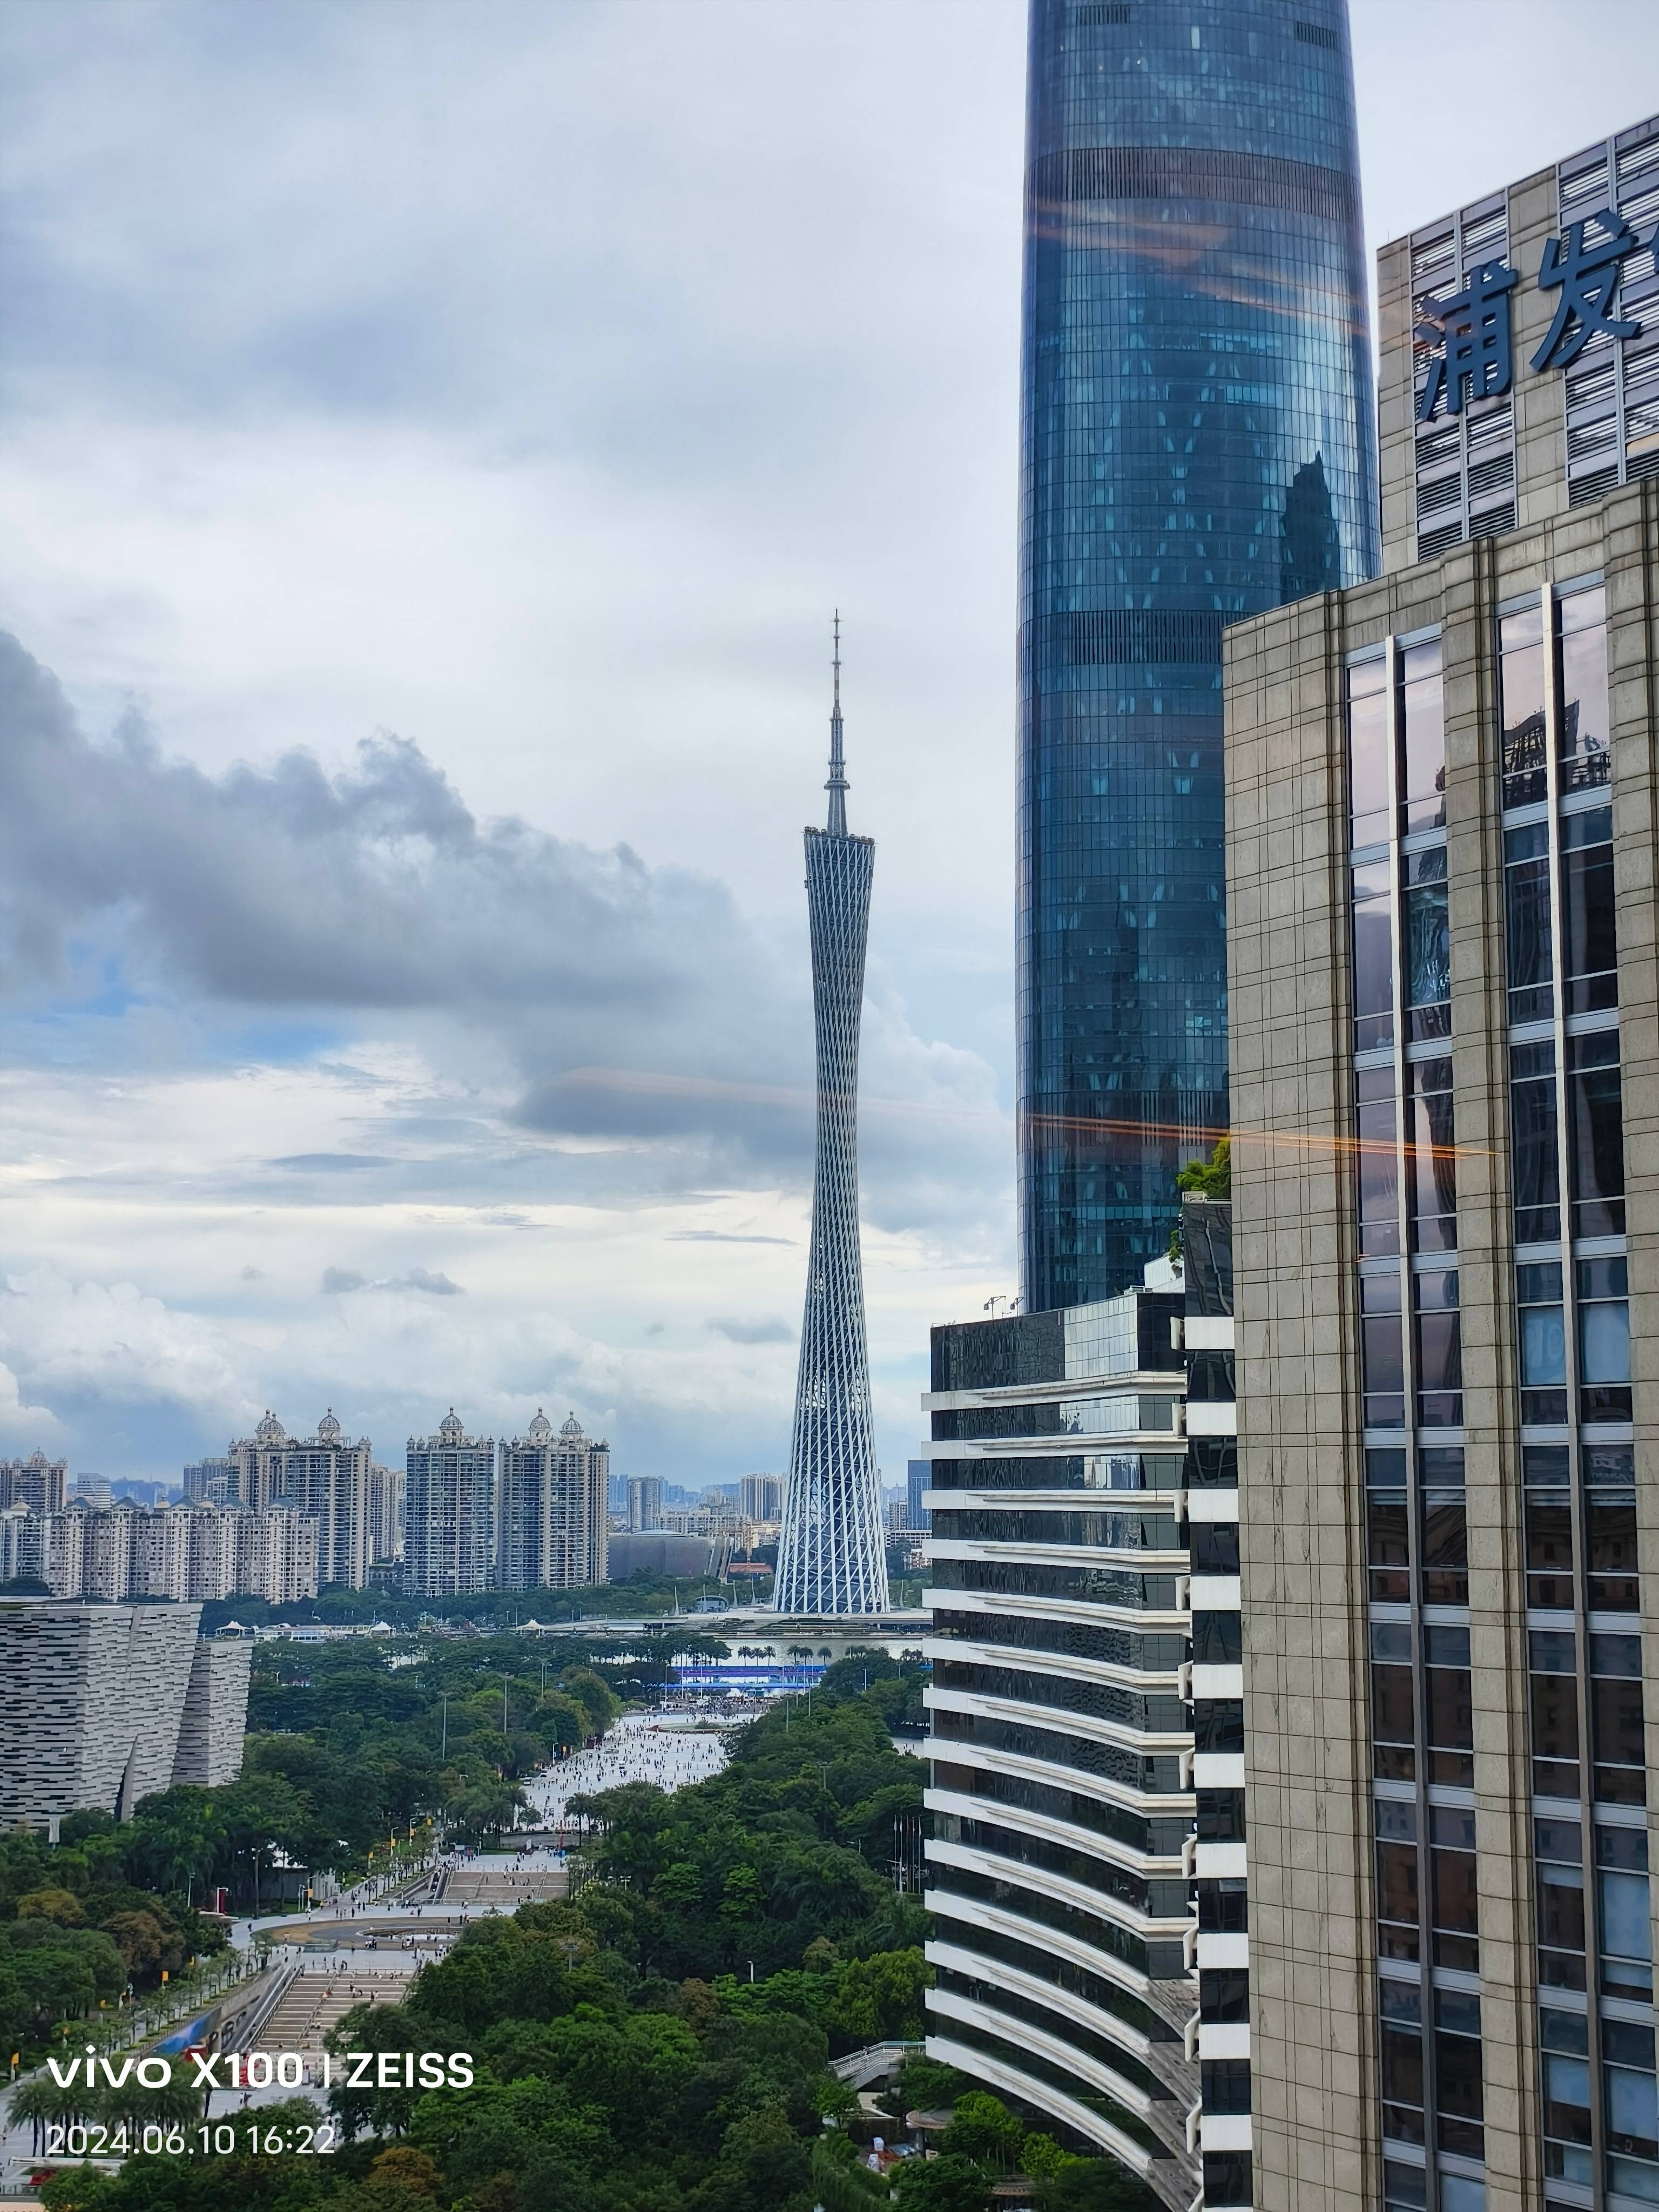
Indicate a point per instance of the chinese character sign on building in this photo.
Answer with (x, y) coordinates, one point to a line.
(1472, 332)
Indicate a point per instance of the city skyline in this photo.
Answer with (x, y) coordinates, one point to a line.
(238, 1184)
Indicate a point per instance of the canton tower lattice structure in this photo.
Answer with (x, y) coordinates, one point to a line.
(832, 1555)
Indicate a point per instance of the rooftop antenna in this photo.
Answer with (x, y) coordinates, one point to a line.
(836, 785)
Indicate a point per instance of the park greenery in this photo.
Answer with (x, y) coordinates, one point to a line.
(659, 2043)
(662, 2040)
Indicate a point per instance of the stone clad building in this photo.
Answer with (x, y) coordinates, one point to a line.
(1442, 840)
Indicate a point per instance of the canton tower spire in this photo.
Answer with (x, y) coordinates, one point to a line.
(832, 1555)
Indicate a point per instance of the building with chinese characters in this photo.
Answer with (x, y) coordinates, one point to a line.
(1443, 844)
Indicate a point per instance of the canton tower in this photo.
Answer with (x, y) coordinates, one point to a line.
(832, 1556)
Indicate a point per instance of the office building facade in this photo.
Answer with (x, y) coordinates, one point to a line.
(449, 1512)
(552, 1523)
(831, 1555)
(1197, 444)
(1061, 1857)
(916, 1477)
(1443, 852)
(385, 1514)
(107, 1703)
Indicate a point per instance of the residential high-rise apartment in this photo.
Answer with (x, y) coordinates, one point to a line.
(179, 1552)
(1443, 846)
(210, 1482)
(1062, 1849)
(832, 1556)
(449, 1512)
(38, 1482)
(385, 1514)
(759, 1496)
(325, 1478)
(1197, 445)
(644, 1502)
(552, 1519)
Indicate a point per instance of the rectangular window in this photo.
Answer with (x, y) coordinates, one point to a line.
(1604, 1392)
(1559, 1848)
(1439, 1350)
(1433, 1169)
(1425, 749)
(1427, 940)
(1378, 1163)
(1370, 766)
(1382, 1350)
(1610, 1527)
(1388, 1547)
(1394, 1732)
(1631, 2106)
(1596, 1140)
(1401, 2007)
(1565, 2040)
(1552, 1662)
(1549, 1547)
(1534, 1156)
(1455, 1891)
(1373, 957)
(1543, 1343)
(1624, 1912)
(1590, 941)
(1449, 1706)
(1458, 2073)
(1580, 624)
(1520, 649)
(1616, 1718)
(1445, 1548)
(1398, 1879)
(1527, 917)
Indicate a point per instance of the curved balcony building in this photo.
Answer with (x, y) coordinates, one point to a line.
(1062, 1854)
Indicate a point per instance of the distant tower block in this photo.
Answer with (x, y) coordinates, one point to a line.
(832, 1555)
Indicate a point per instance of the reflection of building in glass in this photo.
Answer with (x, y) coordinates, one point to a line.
(1442, 850)
(1197, 445)
(552, 1526)
(832, 1554)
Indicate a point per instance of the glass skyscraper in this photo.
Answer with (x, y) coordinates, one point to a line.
(1197, 445)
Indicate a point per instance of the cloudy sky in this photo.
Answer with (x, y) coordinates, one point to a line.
(432, 441)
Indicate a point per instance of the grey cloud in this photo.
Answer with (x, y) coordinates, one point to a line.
(330, 1163)
(627, 1004)
(753, 1331)
(253, 1274)
(719, 1236)
(339, 1281)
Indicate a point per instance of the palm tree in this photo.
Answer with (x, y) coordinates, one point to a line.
(43, 2105)
(174, 2105)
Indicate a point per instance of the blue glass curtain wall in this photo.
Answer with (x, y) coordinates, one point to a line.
(1197, 444)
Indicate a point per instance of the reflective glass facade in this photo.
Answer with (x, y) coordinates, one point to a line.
(1197, 445)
